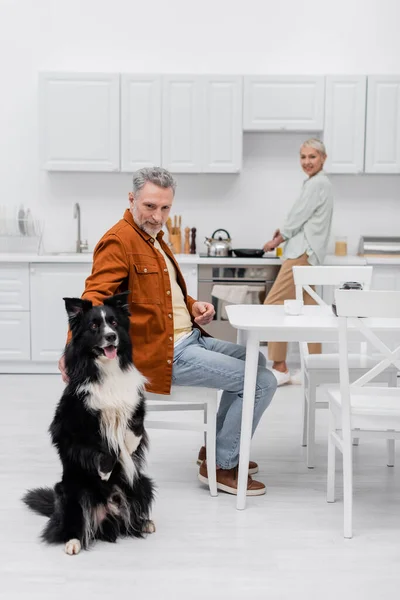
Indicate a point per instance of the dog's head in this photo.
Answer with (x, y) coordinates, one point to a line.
(101, 331)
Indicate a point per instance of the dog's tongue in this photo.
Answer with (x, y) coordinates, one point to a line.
(110, 351)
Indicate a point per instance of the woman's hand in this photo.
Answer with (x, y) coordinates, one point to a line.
(269, 246)
(203, 312)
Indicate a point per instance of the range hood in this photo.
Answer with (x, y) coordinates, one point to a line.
(379, 246)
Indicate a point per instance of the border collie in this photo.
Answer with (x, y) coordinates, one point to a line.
(99, 434)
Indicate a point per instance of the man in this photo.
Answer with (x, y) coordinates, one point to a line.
(169, 346)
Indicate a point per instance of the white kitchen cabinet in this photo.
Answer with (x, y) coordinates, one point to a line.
(202, 123)
(189, 273)
(140, 121)
(14, 336)
(382, 153)
(182, 123)
(283, 103)
(386, 277)
(50, 282)
(79, 121)
(344, 131)
(14, 287)
(223, 129)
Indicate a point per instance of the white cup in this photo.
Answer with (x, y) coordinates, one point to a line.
(293, 307)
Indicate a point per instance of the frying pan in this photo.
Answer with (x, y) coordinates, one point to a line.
(248, 253)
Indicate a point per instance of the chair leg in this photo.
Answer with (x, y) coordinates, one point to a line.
(211, 447)
(305, 410)
(390, 444)
(348, 488)
(312, 392)
(205, 424)
(330, 493)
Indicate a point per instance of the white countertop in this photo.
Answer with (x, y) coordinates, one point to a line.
(87, 257)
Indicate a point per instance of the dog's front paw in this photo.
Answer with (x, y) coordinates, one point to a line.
(105, 476)
(148, 527)
(73, 547)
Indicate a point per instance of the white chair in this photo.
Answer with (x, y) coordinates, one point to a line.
(318, 369)
(189, 399)
(354, 409)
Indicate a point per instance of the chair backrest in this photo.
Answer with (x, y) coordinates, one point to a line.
(334, 276)
(376, 316)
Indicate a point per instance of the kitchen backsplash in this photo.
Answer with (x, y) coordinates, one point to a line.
(250, 205)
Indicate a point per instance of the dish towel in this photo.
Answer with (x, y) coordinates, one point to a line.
(229, 294)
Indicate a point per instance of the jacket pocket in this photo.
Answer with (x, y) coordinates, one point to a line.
(146, 285)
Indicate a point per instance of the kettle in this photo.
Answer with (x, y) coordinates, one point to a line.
(218, 246)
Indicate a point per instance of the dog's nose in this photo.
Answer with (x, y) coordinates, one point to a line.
(111, 337)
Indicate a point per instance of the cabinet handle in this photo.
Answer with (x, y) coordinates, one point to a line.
(32, 270)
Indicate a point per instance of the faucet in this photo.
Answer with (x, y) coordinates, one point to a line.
(80, 246)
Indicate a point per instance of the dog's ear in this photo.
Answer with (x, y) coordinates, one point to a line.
(76, 307)
(119, 302)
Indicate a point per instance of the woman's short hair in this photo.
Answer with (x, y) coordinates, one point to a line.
(316, 144)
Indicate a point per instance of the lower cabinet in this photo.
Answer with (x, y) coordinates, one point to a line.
(14, 336)
(386, 277)
(50, 282)
(189, 273)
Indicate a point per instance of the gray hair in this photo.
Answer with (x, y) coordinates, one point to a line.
(156, 175)
(316, 144)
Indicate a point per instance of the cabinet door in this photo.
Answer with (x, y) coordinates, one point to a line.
(14, 287)
(283, 103)
(189, 273)
(223, 127)
(49, 284)
(344, 131)
(383, 125)
(14, 336)
(140, 121)
(79, 121)
(182, 123)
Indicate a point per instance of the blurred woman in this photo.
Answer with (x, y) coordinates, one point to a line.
(305, 233)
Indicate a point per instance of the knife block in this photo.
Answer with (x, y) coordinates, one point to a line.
(176, 243)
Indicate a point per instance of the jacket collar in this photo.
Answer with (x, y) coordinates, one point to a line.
(146, 236)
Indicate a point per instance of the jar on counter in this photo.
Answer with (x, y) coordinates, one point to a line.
(341, 246)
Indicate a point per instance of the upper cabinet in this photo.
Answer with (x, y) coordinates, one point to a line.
(102, 122)
(182, 123)
(202, 124)
(140, 121)
(344, 130)
(223, 126)
(79, 121)
(283, 103)
(382, 153)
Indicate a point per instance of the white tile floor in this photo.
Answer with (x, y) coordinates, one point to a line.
(287, 544)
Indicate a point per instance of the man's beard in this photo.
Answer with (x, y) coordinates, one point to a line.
(152, 230)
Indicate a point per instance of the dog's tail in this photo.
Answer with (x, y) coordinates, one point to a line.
(41, 500)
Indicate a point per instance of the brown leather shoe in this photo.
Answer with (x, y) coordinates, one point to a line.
(227, 481)
(253, 466)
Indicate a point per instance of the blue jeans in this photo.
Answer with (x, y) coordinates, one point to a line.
(208, 362)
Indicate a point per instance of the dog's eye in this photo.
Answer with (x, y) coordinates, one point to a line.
(93, 326)
(114, 323)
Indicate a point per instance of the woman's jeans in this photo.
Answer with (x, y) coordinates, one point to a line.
(207, 362)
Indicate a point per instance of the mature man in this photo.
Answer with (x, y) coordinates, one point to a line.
(169, 346)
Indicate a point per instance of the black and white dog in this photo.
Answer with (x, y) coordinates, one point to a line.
(99, 434)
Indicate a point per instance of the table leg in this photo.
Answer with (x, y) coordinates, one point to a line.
(250, 378)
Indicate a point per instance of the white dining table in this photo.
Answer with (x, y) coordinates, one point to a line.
(256, 323)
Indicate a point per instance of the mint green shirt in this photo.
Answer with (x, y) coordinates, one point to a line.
(308, 225)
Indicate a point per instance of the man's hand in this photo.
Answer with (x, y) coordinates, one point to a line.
(203, 312)
(61, 367)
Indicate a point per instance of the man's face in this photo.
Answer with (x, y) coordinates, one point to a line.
(150, 207)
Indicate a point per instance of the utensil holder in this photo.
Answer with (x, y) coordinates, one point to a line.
(176, 243)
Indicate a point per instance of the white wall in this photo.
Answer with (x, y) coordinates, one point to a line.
(359, 36)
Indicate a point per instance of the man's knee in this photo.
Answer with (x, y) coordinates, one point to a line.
(266, 385)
